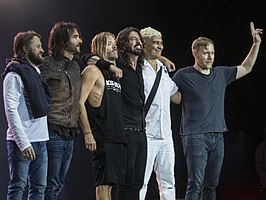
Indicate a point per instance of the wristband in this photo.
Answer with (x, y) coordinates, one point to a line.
(85, 58)
(103, 64)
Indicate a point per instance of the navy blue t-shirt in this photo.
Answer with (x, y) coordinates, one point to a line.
(203, 98)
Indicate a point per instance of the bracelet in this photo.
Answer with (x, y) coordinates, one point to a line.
(88, 132)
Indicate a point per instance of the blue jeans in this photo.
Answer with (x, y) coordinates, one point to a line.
(204, 155)
(59, 158)
(23, 171)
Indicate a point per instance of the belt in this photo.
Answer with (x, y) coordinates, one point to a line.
(135, 130)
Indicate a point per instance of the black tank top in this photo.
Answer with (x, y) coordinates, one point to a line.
(107, 119)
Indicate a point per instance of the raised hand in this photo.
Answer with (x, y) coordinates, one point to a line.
(255, 33)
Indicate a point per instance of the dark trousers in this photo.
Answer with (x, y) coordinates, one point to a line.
(204, 155)
(136, 162)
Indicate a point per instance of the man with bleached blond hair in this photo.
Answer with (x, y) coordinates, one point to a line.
(160, 147)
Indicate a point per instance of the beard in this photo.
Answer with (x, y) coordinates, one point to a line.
(72, 48)
(137, 50)
(112, 56)
(36, 59)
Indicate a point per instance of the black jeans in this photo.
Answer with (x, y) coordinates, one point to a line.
(136, 162)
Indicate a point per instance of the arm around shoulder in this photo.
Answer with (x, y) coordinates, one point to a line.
(168, 63)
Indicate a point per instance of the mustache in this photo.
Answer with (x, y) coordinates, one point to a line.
(138, 44)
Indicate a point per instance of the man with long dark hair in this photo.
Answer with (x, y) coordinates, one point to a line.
(130, 60)
(62, 74)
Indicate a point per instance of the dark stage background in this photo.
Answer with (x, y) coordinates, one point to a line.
(226, 22)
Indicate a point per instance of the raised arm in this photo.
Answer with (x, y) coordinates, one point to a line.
(247, 65)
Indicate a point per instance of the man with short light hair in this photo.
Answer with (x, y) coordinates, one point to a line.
(203, 123)
(160, 147)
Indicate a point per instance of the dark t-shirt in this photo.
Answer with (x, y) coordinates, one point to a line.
(132, 96)
(203, 98)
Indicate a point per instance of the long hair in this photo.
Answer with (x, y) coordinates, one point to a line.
(99, 43)
(22, 42)
(122, 41)
(59, 37)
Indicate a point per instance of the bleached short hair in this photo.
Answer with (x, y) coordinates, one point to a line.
(149, 32)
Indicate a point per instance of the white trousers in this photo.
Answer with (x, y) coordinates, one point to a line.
(161, 158)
